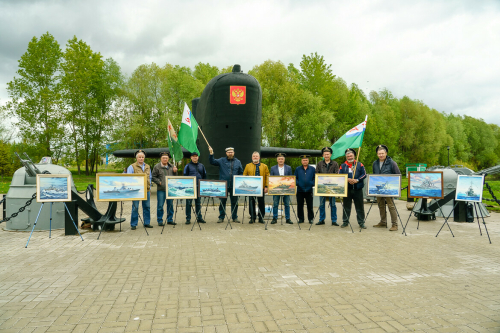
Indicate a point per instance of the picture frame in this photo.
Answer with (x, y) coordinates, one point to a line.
(53, 188)
(121, 187)
(208, 188)
(330, 185)
(248, 186)
(282, 185)
(181, 187)
(384, 186)
(425, 184)
(470, 188)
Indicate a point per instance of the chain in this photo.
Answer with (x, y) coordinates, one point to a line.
(404, 188)
(491, 192)
(7, 219)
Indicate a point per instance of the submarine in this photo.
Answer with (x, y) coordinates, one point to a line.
(229, 112)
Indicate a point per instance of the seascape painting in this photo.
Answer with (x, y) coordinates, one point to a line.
(178, 187)
(121, 187)
(282, 185)
(212, 188)
(384, 185)
(53, 188)
(470, 188)
(330, 185)
(247, 186)
(425, 184)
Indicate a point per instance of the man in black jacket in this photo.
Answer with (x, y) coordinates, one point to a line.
(385, 165)
(327, 166)
(196, 169)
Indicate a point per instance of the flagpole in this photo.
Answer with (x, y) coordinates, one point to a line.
(359, 149)
(203, 136)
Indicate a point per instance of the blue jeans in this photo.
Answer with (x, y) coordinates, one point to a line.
(286, 202)
(322, 213)
(146, 214)
(197, 203)
(234, 205)
(161, 195)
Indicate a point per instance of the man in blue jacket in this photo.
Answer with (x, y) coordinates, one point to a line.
(281, 169)
(196, 169)
(354, 188)
(229, 166)
(305, 181)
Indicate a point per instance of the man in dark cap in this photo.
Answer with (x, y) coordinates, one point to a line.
(355, 175)
(331, 167)
(305, 181)
(140, 167)
(229, 166)
(160, 171)
(196, 169)
(281, 169)
(386, 166)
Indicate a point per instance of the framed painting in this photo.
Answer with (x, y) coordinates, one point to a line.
(282, 185)
(212, 188)
(250, 186)
(180, 187)
(384, 186)
(425, 184)
(121, 187)
(330, 185)
(470, 188)
(53, 188)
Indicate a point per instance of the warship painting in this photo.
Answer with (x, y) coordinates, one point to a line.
(469, 188)
(425, 184)
(212, 188)
(331, 185)
(282, 185)
(181, 187)
(384, 185)
(53, 189)
(248, 186)
(121, 187)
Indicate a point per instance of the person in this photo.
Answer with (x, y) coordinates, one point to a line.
(140, 167)
(256, 168)
(354, 188)
(160, 171)
(305, 175)
(229, 166)
(386, 166)
(327, 166)
(196, 169)
(281, 169)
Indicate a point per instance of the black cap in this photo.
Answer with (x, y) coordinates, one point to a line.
(194, 153)
(382, 147)
(165, 153)
(304, 156)
(140, 151)
(327, 149)
(280, 155)
(350, 150)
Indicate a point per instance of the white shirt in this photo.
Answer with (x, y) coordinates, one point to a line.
(281, 170)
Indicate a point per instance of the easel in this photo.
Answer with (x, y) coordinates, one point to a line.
(476, 208)
(329, 206)
(423, 209)
(138, 216)
(256, 204)
(166, 217)
(397, 212)
(50, 222)
(283, 212)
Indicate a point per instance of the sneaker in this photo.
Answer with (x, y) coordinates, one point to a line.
(236, 220)
(148, 226)
(335, 224)
(220, 220)
(320, 223)
(288, 221)
(172, 223)
(344, 225)
(274, 221)
(188, 222)
(133, 228)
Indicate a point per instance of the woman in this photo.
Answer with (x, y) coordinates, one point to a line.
(140, 167)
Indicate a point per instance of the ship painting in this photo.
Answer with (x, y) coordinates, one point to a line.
(121, 187)
(469, 188)
(53, 188)
(282, 185)
(248, 186)
(181, 187)
(384, 185)
(331, 185)
(426, 184)
(213, 188)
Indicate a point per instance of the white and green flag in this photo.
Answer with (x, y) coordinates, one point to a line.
(188, 132)
(352, 139)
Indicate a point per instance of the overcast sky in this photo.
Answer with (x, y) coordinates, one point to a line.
(445, 53)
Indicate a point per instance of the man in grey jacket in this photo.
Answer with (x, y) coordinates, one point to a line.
(160, 171)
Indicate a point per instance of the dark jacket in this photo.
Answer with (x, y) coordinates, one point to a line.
(305, 178)
(159, 173)
(198, 170)
(360, 174)
(322, 167)
(227, 168)
(388, 168)
(276, 172)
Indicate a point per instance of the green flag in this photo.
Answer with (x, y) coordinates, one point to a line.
(188, 133)
(352, 139)
(173, 144)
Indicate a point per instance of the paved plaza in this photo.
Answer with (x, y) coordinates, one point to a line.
(248, 279)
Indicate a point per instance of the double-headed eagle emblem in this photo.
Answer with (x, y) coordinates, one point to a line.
(238, 95)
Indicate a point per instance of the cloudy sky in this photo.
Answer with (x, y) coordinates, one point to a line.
(445, 53)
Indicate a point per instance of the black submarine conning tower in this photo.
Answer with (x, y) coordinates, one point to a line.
(226, 124)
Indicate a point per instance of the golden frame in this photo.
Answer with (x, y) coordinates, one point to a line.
(277, 179)
(39, 178)
(141, 181)
(338, 179)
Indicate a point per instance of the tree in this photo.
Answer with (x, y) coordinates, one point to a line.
(205, 72)
(35, 94)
